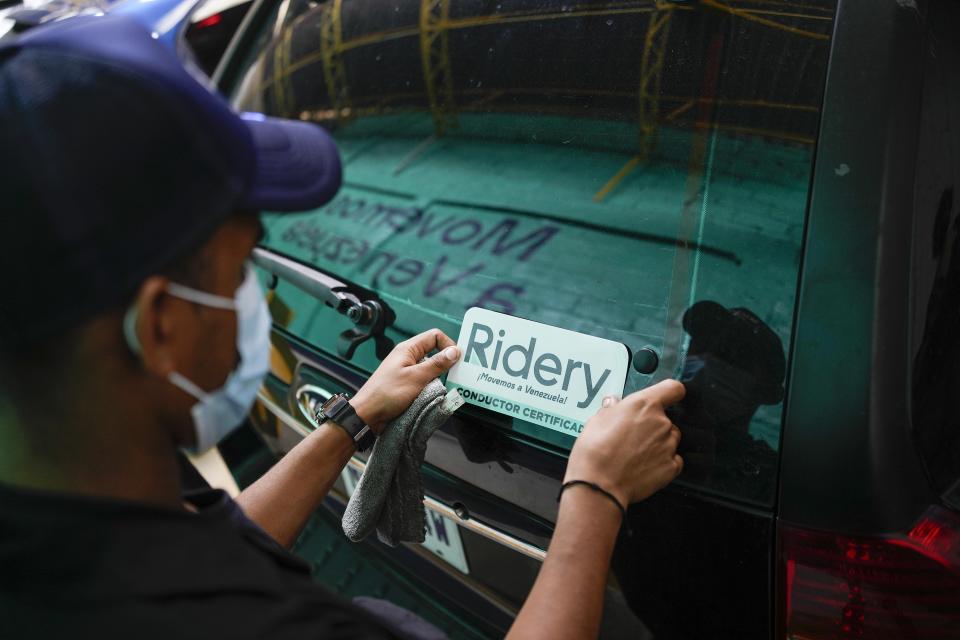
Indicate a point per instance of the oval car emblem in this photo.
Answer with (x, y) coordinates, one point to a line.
(310, 398)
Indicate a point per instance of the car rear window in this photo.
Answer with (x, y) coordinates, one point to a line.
(630, 170)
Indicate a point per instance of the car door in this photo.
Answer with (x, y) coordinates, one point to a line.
(633, 171)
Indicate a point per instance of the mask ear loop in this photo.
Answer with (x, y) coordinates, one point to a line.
(186, 385)
(208, 300)
(182, 292)
(130, 334)
(201, 297)
(130, 329)
(185, 293)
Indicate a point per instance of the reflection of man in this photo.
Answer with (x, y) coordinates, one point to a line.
(131, 325)
(734, 365)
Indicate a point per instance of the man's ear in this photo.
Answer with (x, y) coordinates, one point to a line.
(156, 321)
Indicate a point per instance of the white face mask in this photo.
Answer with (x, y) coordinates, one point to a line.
(219, 412)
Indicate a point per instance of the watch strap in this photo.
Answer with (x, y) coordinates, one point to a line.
(345, 416)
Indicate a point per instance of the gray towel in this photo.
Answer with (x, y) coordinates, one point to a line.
(389, 494)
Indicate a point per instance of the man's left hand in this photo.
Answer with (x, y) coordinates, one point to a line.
(402, 376)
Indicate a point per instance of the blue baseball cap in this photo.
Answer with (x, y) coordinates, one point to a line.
(116, 159)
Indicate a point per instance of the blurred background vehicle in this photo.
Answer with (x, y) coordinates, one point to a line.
(209, 29)
(199, 29)
(6, 23)
(16, 17)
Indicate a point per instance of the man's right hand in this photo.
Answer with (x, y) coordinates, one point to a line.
(630, 446)
(402, 376)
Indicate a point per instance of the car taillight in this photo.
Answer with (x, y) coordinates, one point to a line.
(905, 586)
(211, 21)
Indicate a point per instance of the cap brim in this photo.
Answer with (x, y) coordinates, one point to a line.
(297, 165)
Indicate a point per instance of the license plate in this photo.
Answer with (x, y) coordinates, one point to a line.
(442, 534)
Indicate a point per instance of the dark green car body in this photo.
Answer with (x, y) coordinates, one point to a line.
(603, 167)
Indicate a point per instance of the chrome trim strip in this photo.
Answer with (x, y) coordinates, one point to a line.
(469, 523)
(309, 388)
(434, 505)
(282, 415)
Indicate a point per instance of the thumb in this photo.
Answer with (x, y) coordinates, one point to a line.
(440, 362)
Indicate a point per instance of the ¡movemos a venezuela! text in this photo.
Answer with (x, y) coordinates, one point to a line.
(525, 388)
(500, 237)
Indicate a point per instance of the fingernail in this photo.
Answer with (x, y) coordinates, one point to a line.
(452, 353)
(607, 401)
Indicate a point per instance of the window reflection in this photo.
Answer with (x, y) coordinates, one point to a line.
(599, 166)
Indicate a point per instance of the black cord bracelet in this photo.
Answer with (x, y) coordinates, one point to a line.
(598, 489)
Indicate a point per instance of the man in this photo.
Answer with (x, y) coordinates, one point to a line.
(130, 326)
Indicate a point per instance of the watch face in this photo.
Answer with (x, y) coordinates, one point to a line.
(333, 405)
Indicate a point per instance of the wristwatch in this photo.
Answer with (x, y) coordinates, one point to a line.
(337, 409)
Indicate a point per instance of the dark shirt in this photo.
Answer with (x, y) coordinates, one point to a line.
(84, 567)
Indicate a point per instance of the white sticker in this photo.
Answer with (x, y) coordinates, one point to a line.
(546, 375)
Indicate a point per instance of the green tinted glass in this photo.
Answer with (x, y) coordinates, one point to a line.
(599, 167)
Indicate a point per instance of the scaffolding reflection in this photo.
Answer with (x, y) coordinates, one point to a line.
(747, 68)
(553, 58)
